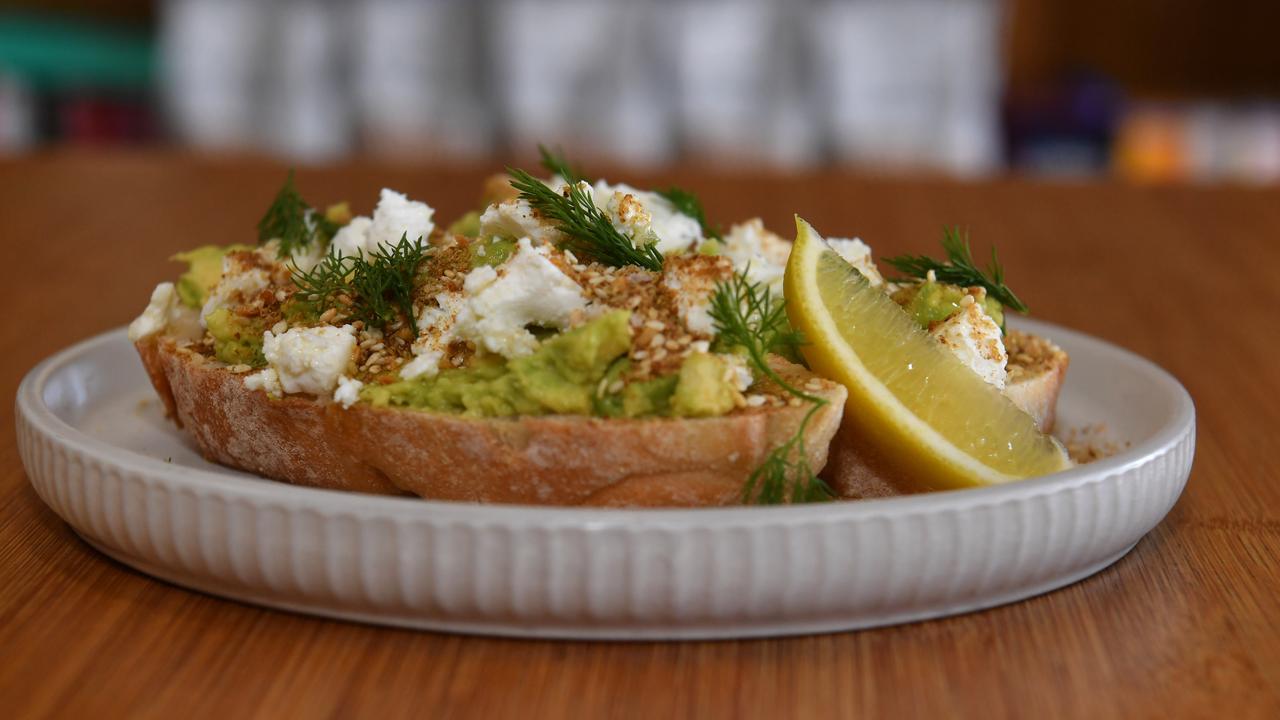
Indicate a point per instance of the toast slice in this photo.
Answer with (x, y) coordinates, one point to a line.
(544, 460)
(1036, 370)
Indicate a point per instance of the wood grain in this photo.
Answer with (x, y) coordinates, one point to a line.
(1188, 625)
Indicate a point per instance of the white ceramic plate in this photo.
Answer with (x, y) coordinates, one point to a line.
(100, 454)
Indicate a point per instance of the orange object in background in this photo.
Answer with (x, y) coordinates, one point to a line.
(1151, 146)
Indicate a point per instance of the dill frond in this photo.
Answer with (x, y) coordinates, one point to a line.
(749, 317)
(686, 203)
(555, 162)
(589, 231)
(960, 269)
(379, 288)
(292, 221)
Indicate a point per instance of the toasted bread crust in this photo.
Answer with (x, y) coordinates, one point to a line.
(1037, 370)
(550, 460)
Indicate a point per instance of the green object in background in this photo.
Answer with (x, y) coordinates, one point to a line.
(52, 52)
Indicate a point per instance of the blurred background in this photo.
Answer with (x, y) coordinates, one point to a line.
(1150, 90)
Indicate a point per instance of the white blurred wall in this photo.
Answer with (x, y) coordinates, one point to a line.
(882, 83)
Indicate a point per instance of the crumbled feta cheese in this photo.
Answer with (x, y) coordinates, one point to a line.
(858, 254)
(692, 280)
(435, 332)
(350, 240)
(265, 379)
(762, 254)
(310, 360)
(165, 312)
(737, 372)
(305, 257)
(973, 337)
(515, 219)
(395, 217)
(348, 392)
(239, 283)
(529, 290)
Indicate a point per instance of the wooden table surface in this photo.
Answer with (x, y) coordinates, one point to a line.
(1187, 625)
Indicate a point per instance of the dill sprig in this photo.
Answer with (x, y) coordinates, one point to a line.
(686, 203)
(377, 290)
(752, 319)
(589, 232)
(554, 162)
(960, 269)
(292, 221)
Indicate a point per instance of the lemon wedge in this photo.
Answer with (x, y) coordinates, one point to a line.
(911, 403)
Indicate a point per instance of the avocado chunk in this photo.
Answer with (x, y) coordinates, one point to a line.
(650, 397)
(703, 388)
(468, 225)
(492, 252)
(563, 373)
(932, 302)
(204, 270)
(236, 340)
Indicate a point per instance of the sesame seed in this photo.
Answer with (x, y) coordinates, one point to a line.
(280, 327)
(328, 315)
(659, 354)
(379, 346)
(281, 295)
(672, 345)
(756, 400)
(657, 340)
(655, 324)
(640, 354)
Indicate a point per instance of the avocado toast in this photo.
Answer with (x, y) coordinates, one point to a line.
(570, 343)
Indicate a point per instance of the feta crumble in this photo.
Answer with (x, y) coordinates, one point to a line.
(265, 379)
(395, 217)
(309, 360)
(530, 290)
(737, 372)
(516, 219)
(435, 332)
(348, 392)
(973, 337)
(164, 312)
(762, 254)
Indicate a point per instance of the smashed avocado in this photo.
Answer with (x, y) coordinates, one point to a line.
(236, 340)
(564, 376)
(932, 302)
(492, 252)
(468, 225)
(559, 377)
(204, 270)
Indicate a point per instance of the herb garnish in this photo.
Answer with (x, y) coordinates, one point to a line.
(588, 230)
(686, 203)
(959, 269)
(554, 162)
(292, 221)
(377, 290)
(751, 318)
